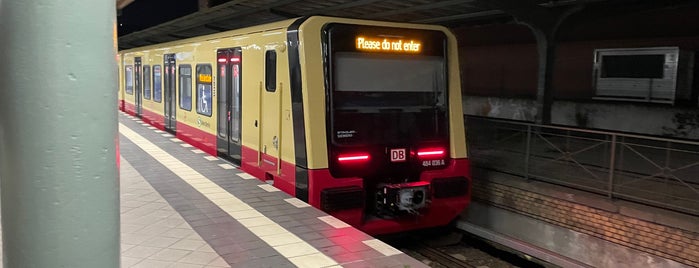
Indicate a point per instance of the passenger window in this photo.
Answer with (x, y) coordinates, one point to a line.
(186, 87)
(204, 89)
(271, 70)
(146, 82)
(157, 84)
(128, 77)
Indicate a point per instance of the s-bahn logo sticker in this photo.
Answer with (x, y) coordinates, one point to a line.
(398, 155)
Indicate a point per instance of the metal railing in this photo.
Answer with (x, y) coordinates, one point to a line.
(655, 171)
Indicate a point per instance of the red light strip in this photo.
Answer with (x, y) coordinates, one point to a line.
(352, 158)
(430, 152)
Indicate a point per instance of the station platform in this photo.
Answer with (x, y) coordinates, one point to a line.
(183, 208)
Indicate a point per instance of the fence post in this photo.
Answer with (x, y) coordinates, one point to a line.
(527, 153)
(612, 166)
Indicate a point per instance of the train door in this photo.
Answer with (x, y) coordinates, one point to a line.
(270, 117)
(139, 89)
(169, 78)
(229, 103)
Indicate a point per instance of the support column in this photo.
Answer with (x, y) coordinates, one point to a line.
(58, 130)
(546, 49)
(544, 24)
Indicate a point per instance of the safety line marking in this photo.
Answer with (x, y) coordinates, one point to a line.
(382, 247)
(296, 202)
(226, 166)
(211, 158)
(246, 176)
(175, 140)
(334, 222)
(299, 252)
(186, 145)
(268, 188)
(197, 151)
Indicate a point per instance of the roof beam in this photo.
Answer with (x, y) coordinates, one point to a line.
(416, 8)
(465, 16)
(283, 14)
(215, 28)
(343, 6)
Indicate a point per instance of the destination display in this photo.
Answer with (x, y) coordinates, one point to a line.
(393, 45)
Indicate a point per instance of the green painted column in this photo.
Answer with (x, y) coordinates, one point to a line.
(58, 130)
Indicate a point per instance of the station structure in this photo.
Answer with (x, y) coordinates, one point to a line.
(582, 121)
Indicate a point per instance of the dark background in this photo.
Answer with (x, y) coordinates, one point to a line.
(141, 14)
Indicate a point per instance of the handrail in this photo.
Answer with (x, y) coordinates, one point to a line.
(585, 130)
(644, 169)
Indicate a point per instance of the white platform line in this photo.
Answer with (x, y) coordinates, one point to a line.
(197, 151)
(382, 247)
(297, 202)
(334, 222)
(175, 140)
(211, 158)
(226, 166)
(186, 145)
(246, 176)
(152, 128)
(268, 188)
(297, 251)
(167, 135)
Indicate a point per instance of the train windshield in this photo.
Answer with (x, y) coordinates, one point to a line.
(388, 97)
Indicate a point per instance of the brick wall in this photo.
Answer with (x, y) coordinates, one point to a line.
(660, 240)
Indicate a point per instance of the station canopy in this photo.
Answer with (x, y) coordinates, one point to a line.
(235, 14)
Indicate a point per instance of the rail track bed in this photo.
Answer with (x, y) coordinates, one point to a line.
(467, 252)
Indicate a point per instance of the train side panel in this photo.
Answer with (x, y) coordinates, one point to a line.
(129, 102)
(153, 109)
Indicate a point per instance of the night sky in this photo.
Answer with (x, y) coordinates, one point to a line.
(141, 14)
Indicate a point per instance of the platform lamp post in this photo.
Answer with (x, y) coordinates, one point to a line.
(58, 130)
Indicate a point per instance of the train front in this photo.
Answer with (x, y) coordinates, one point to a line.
(394, 128)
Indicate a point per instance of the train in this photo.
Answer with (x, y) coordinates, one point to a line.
(361, 119)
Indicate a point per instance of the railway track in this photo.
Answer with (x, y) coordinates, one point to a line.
(442, 258)
(469, 252)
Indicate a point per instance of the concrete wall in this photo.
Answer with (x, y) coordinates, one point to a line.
(499, 70)
(585, 227)
(645, 119)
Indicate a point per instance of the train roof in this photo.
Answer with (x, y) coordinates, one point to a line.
(230, 33)
(276, 26)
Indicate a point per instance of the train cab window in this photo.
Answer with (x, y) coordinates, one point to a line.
(146, 82)
(204, 89)
(157, 84)
(271, 70)
(186, 87)
(128, 76)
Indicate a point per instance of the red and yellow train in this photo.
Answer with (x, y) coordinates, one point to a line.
(361, 119)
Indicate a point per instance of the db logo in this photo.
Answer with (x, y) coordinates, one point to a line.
(398, 155)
